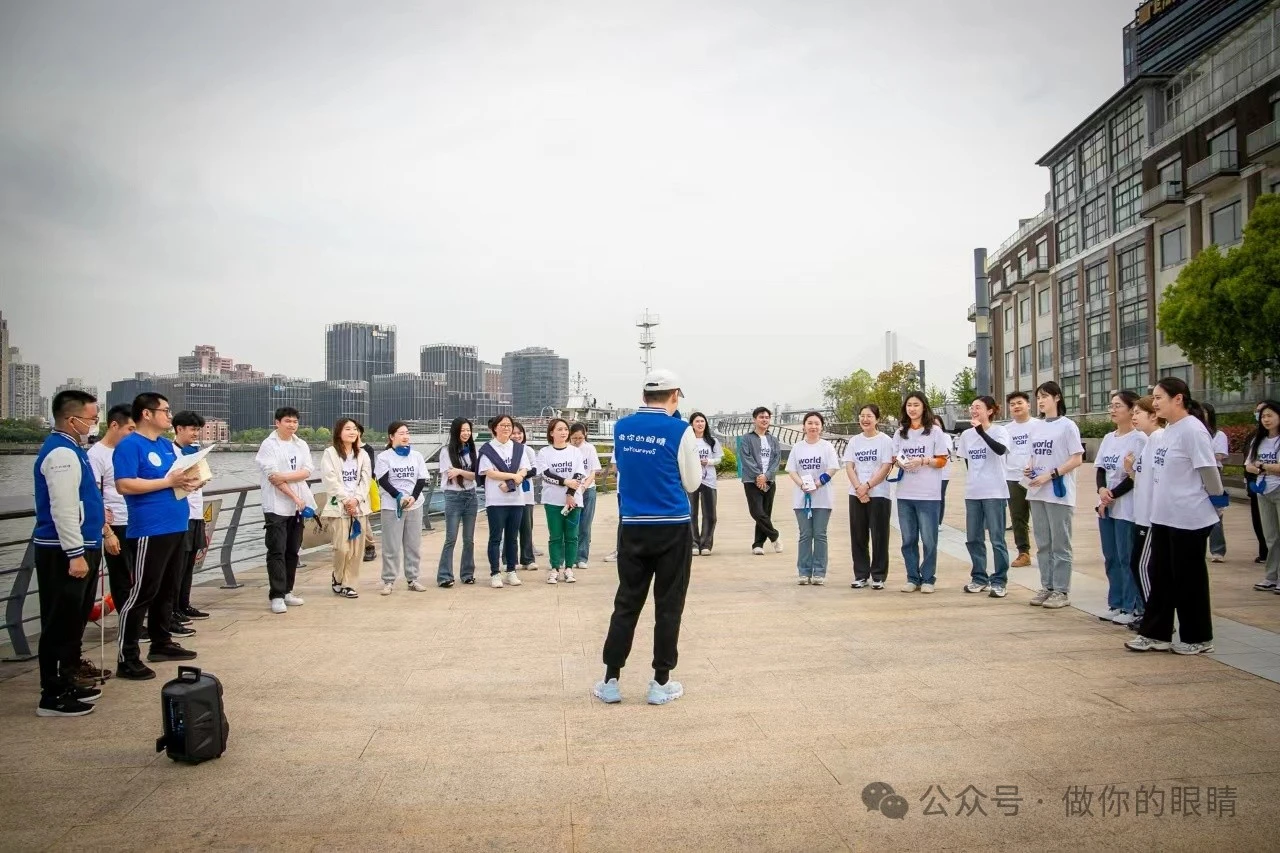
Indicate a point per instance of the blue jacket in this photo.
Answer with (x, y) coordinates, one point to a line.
(69, 510)
(649, 447)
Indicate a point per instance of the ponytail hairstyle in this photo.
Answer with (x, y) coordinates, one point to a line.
(1261, 434)
(1210, 418)
(392, 429)
(706, 433)
(516, 425)
(1053, 389)
(1129, 398)
(1175, 387)
(1148, 405)
(926, 416)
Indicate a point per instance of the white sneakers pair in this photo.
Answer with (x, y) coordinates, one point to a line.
(282, 605)
(513, 579)
(566, 575)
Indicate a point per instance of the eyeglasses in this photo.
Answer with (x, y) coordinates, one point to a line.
(162, 411)
(93, 422)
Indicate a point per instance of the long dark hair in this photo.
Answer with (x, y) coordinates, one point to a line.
(1261, 433)
(392, 429)
(461, 453)
(1053, 389)
(706, 433)
(926, 416)
(1173, 386)
(338, 427)
(1210, 418)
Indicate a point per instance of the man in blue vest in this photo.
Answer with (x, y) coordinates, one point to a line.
(70, 520)
(658, 466)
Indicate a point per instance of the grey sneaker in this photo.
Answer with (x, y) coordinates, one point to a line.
(416, 587)
(974, 586)
(1192, 648)
(926, 588)
(1039, 598)
(910, 587)
(607, 691)
(819, 581)
(803, 581)
(1056, 601)
(877, 584)
(661, 694)
(998, 591)
(1146, 644)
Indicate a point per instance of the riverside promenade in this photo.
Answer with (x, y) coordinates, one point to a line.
(461, 719)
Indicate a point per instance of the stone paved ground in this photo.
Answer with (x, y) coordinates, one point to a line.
(461, 719)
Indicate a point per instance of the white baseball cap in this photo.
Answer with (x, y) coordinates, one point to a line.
(662, 380)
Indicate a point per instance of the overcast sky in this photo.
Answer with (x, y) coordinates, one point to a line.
(781, 181)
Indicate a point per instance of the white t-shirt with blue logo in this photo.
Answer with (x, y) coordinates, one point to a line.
(403, 472)
(1179, 500)
(813, 460)
(986, 479)
(923, 483)
(1142, 480)
(1268, 454)
(714, 456)
(1019, 448)
(1111, 454)
(567, 464)
(868, 455)
(1053, 443)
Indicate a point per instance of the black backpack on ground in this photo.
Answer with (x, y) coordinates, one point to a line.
(195, 727)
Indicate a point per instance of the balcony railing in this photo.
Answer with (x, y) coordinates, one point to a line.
(1264, 140)
(1219, 164)
(1024, 231)
(973, 311)
(973, 349)
(1168, 192)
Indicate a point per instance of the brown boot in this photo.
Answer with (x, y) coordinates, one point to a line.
(1024, 559)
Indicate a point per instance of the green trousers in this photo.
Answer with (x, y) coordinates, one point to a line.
(563, 530)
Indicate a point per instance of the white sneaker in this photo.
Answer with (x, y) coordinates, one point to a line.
(777, 547)
(568, 576)
(293, 600)
(1146, 644)
(1215, 559)
(1111, 615)
(386, 588)
(417, 587)
(975, 587)
(532, 567)
(706, 552)
(495, 581)
(552, 576)
(877, 584)
(1192, 648)
(926, 588)
(757, 551)
(909, 587)
(513, 579)
(697, 552)
(661, 694)
(611, 557)
(278, 606)
(582, 564)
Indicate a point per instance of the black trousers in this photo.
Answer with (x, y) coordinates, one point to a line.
(157, 561)
(1257, 523)
(661, 553)
(284, 540)
(760, 507)
(1179, 582)
(119, 569)
(191, 548)
(703, 503)
(1140, 560)
(870, 521)
(62, 617)
(526, 536)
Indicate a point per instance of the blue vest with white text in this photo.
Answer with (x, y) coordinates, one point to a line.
(646, 446)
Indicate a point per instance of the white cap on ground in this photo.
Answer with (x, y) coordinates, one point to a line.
(662, 380)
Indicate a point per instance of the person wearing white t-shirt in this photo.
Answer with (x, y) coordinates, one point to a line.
(528, 553)
(1221, 449)
(1138, 467)
(345, 474)
(1115, 508)
(285, 463)
(1186, 502)
(1056, 452)
(702, 503)
(458, 462)
(920, 450)
(1261, 462)
(504, 464)
(402, 474)
(811, 464)
(1019, 429)
(944, 472)
(119, 563)
(591, 464)
(868, 459)
(986, 492)
(562, 469)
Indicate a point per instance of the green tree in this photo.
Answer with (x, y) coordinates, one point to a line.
(962, 387)
(845, 395)
(1224, 310)
(892, 385)
(936, 396)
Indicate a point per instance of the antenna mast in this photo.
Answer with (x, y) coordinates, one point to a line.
(647, 323)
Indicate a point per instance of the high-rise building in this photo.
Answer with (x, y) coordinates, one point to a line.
(123, 391)
(1171, 163)
(339, 398)
(204, 359)
(406, 397)
(535, 378)
(359, 351)
(207, 395)
(245, 373)
(254, 404)
(477, 407)
(459, 364)
(4, 367)
(25, 402)
(492, 379)
(75, 383)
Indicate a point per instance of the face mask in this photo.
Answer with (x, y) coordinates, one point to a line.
(81, 437)
(402, 451)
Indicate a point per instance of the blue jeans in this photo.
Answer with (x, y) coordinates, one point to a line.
(811, 550)
(504, 535)
(584, 524)
(984, 519)
(459, 507)
(918, 522)
(1117, 553)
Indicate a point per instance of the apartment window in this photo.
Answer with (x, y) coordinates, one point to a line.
(1225, 141)
(1127, 196)
(1132, 266)
(1042, 251)
(1099, 390)
(1008, 317)
(1064, 184)
(1133, 324)
(1069, 342)
(1099, 331)
(1068, 294)
(1045, 354)
(1008, 364)
(1043, 301)
(1225, 226)
(1068, 235)
(1095, 221)
(1136, 377)
(1095, 281)
(1024, 360)
(1126, 134)
(1093, 160)
(1182, 371)
(1173, 247)
(1022, 262)
(1171, 171)
(1070, 392)
(1024, 310)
